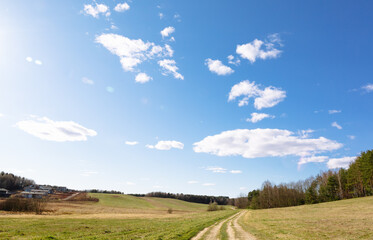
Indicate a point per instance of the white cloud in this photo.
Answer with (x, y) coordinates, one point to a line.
(132, 52)
(38, 62)
(161, 15)
(256, 117)
(167, 31)
(334, 111)
(142, 78)
(29, 59)
(304, 160)
(255, 143)
(59, 131)
(216, 169)
(170, 67)
(166, 145)
(368, 87)
(172, 39)
(192, 182)
(232, 60)
(113, 27)
(95, 11)
(352, 137)
(263, 98)
(88, 173)
(208, 184)
(87, 81)
(218, 67)
(335, 124)
(343, 162)
(258, 49)
(121, 7)
(305, 133)
(131, 143)
(235, 171)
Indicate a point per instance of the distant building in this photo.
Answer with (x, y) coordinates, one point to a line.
(4, 193)
(35, 193)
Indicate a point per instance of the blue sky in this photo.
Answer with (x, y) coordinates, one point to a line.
(183, 96)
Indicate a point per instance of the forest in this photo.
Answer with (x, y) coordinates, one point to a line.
(221, 200)
(12, 182)
(332, 185)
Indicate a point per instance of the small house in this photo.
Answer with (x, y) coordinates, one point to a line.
(4, 193)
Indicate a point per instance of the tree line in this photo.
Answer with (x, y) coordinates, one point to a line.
(332, 185)
(221, 200)
(12, 182)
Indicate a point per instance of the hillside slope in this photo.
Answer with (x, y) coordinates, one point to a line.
(344, 219)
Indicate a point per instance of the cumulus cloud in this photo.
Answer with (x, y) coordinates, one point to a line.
(167, 31)
(336, 125)
(256, 117)
(334, 111)
(87, 81)
(368, 87)
(142, 78)
(131, 143)
(121, 7)
(263, 98)
(29, 59)
(235, 171)
(38, 62)
(233, 60)
(255, 143)
(166, 145)
(58, 131)
(95, 11)
(343, 162)
(218, 67)
(258, 49)
(169, 67)
(133, 52)
(216, 169)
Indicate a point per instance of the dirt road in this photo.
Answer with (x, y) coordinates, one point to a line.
(234, 230)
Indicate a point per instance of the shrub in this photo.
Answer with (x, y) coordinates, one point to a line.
(170, 210)
(212, 207)
(23, 205)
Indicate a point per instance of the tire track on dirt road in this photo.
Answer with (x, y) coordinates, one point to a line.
(235, 231)
(212, 232)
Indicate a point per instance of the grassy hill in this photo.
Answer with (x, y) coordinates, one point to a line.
(146, 203)
(344, 219)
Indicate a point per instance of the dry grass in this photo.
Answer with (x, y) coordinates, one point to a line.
(345, 219)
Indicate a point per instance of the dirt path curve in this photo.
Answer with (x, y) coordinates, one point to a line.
(234, 230)
(71, 196)
(212, 232)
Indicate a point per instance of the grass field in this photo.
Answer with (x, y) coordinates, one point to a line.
(345, 219)
(113, 217)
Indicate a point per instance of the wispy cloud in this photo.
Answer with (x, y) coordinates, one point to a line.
(336, 125)
(192, 182)
(169, 67)
(216, 169)
(58, 131)
(256, 117)
(368, 87)
(131, 143)
(334, 111)
(166, 145)
(235, 171)
(87, 81)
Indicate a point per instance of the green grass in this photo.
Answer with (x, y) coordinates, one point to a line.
(345, 219)
(131, 202)
(183, 227)
(223, 231)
